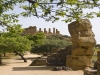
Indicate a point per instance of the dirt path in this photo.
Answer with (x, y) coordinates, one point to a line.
(18, 67)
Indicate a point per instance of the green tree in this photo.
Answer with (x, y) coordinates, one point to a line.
(53, 41)
(51, 10)
(5, 6)
(18, 45)
(12, 41)
(37, 38)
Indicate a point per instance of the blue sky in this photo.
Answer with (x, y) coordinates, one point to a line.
(61, 26)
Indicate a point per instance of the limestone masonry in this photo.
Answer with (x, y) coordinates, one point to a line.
(33, 30)
(83, 42)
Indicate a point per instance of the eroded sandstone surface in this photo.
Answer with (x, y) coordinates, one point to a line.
(83, 42)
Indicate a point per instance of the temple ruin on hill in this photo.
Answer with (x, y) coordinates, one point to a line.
(33, 30)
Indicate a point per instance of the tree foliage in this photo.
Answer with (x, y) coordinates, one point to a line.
(11, 40)
(37, 38)
(50, 10)
(53, 41)
(53, 10)
(11, 44)
(6, 6)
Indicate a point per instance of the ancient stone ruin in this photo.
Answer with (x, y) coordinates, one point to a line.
(78, 55)
(57, 58)
(83, 42)
(33, 30)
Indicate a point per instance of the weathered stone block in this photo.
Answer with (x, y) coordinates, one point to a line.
(82, 62)
(83, 42)
(90, 72)
(38, 62)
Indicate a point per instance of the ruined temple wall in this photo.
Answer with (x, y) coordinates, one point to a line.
(33, 30)
(30, 30)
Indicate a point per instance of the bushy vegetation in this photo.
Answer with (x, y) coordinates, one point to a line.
(50, 10)
(37, 38)
(53, 41)
(12, 41)
(19, 44)
(94, 58)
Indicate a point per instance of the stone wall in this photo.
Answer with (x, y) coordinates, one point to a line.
(30, 30)
(33, 30)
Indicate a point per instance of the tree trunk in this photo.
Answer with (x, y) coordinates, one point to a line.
(0, 59)
(20, 56)
(4, 54)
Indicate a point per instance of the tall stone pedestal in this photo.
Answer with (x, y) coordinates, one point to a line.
(83, 42)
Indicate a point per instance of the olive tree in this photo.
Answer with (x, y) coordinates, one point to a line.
(17, 45)
(13, 41)
(51, 42)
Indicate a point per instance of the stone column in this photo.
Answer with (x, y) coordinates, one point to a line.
(98, 63)
(53, 30)
(40, 30)
(45, 31)
(56, 31)
(49, 31)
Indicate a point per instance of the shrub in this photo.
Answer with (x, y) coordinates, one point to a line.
(49, 43)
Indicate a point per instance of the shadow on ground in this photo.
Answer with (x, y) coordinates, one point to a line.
(33, 68)
(29, 58)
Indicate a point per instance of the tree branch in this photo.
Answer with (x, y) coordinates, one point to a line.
(96, 4)
(62, 2)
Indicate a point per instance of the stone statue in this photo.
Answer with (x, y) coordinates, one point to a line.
(83, 42)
